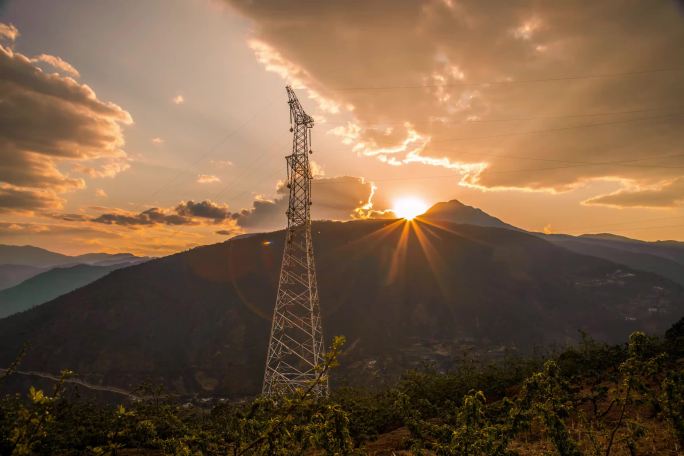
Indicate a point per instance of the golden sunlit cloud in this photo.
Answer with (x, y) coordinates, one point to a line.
(207, 179)
(54, 126)
(435, 101)
(178, 99)
(58, 64)
(274, 62)
(221, 163)
(409, 207)
(8, 32)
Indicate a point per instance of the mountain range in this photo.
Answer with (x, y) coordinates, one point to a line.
(665, 258)
(48, 285)
(14, 274)
(27, 255)
(452, 281)
(30, 276)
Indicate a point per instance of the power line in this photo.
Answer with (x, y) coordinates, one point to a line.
(551, 130)
(624, 223)
(653, 227)
(514, 119)
(511, 82)
(212, 148)
(623, 163)
(572, 164)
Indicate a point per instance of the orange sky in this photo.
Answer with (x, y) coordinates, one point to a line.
(156, 135)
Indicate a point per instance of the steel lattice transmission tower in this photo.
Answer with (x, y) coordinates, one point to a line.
(296, 345)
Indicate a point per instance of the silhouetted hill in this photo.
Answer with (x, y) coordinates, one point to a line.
(13, 274)
(665, 258)
(456, 212)
(27, 277)
(49, 285)
(402, 293)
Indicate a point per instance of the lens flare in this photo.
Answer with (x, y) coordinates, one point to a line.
(409, 207)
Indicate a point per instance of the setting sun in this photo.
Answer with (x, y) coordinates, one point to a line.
(409, 207)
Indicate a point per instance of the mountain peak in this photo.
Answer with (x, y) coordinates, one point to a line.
(445, 205)
(456, 212)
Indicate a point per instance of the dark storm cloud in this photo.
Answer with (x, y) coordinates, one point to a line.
(46, 119)
(496, 94)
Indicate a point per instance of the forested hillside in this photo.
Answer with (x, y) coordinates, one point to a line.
(403, 293)
(591, 399)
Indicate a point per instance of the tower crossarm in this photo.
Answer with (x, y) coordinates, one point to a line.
(297, 114)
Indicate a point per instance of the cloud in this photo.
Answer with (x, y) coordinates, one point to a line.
(16, 199)
(185, 213)
(57, 63)
(8, 32)
(334, 198)
(190, 222)
(152, 216)
(273, 61)
(8, 230)
(157, 140)
(70, 217)
(221, 163)
(316, 169)
(204, 209)
(207, 179)
(478, 87)
(100, 193)
(48, 120)
(178, 99)
(667, 194)
(110, 168)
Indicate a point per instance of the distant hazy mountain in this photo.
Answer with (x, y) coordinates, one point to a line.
(109, 259)
(663, 258)
(49, 285)
(13, 274)
(30, 276)
(672, 250)
(27, 255)
(199, 321)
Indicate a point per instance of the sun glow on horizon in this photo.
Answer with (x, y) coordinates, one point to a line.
(409, 207)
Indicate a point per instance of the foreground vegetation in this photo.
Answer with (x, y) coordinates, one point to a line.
(593, 399)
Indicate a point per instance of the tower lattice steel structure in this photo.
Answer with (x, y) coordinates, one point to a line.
(296, 345)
